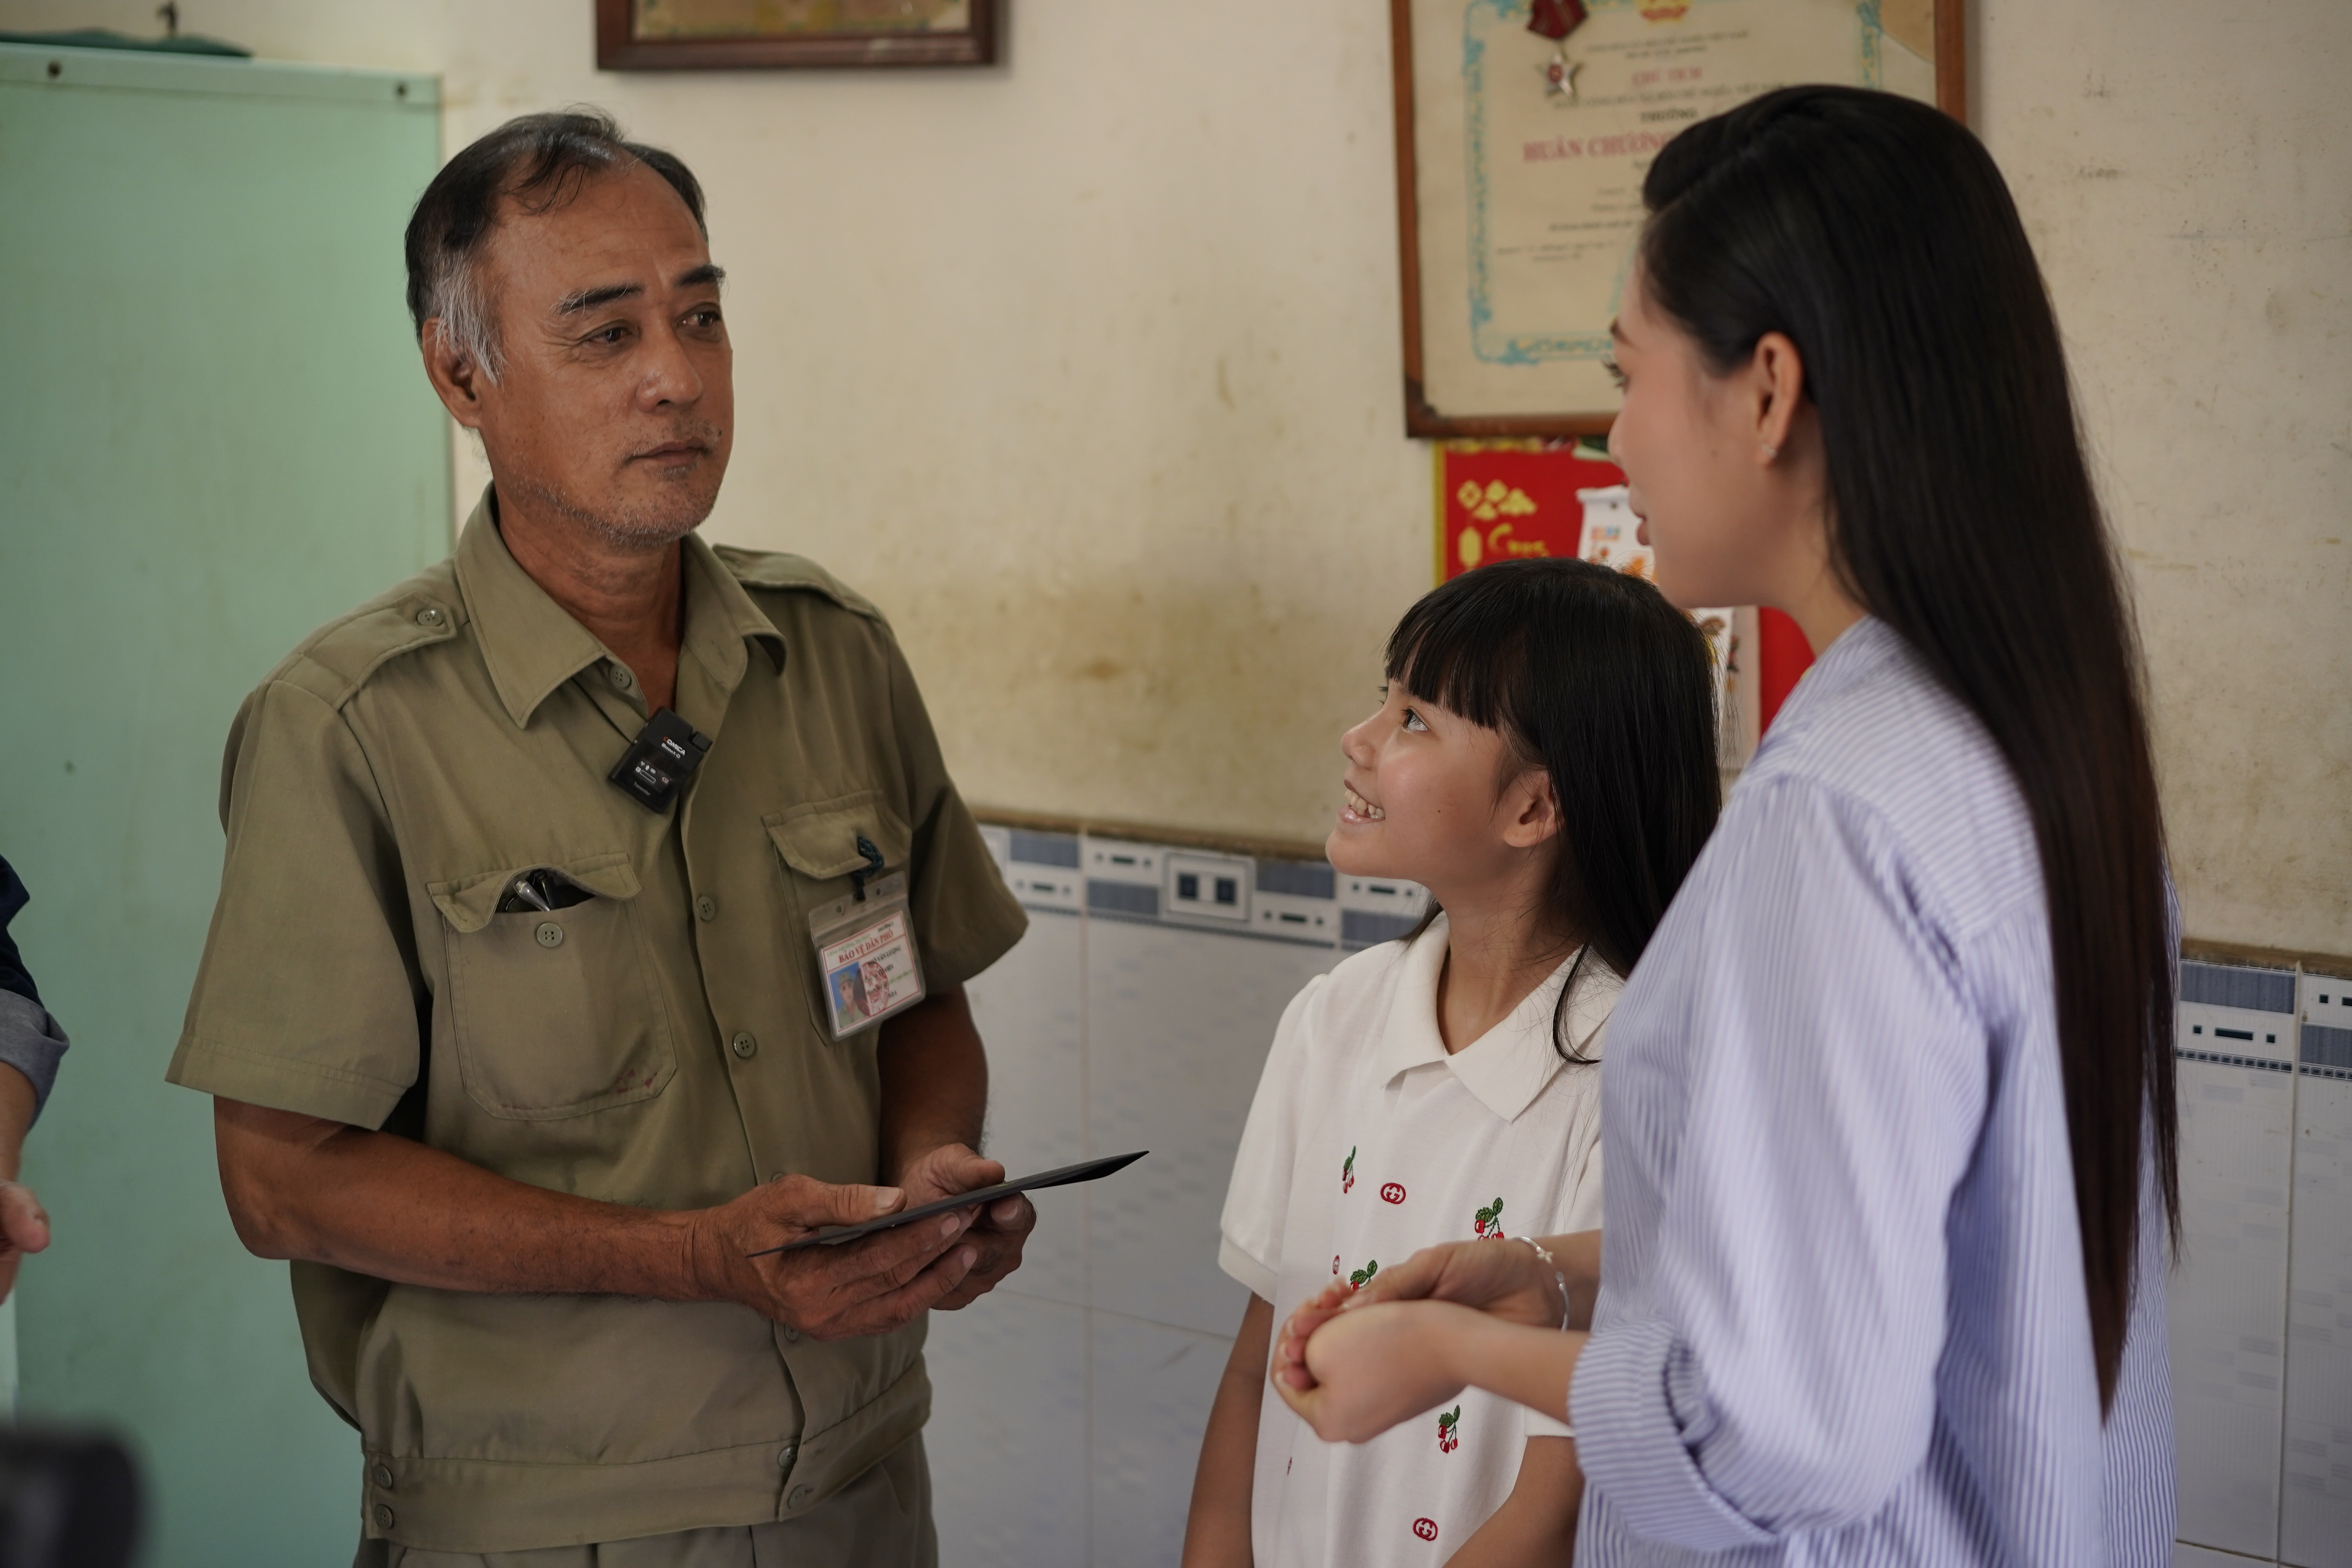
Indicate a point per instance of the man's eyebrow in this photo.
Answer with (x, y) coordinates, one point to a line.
(1616, 331)
(589, 298)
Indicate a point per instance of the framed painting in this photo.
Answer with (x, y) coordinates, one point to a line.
(1519, 165)
(738, 34)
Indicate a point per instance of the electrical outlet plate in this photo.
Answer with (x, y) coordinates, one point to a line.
(1208, 887)
(1046, 887)
(1038, 886)
(1383, 896)
(1296, 918)
(2327, 1001)
(1116, 860)
(2205, 1028)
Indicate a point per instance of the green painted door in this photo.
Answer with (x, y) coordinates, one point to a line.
(214, 436)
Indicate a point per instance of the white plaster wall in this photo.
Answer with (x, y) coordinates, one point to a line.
(1086, 367)
(2185, 167)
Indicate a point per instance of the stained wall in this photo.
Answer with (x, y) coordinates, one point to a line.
(1086, 368)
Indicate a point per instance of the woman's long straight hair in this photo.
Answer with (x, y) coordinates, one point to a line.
(1591, 676)
(1877, 234)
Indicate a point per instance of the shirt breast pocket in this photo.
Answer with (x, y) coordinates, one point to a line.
(818, 845)
(555, 1012)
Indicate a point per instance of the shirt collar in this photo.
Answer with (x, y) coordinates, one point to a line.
(531, 645)
(1510, 1064)
(1865, 646)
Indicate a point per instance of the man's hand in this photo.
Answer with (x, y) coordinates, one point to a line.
(24, 1227)
(868, 1287)
(24, 1224)
(997, 1235)
(377, 1204)
(934, 1092)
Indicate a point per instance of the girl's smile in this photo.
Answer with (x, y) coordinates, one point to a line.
(1430, 797)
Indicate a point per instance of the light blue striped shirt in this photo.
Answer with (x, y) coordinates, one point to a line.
(1842, 1317)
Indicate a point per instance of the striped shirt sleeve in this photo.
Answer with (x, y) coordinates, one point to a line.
(1778, 1374)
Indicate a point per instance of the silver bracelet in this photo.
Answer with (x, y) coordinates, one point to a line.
(1558, 1277)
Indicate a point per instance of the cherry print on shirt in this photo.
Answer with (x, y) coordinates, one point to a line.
(1348, 1173)
(1449, 1430)
(1366, 1272)
(1425, 1528)
(1335, 1265)
(1489, 1222)
(1392, 1193)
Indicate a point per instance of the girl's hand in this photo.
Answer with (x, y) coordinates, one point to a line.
(1289, 1363)
(1374, 1366)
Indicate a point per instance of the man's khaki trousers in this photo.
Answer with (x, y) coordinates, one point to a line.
(881, 1519)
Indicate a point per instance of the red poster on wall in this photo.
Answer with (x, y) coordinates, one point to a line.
(1505, 500)
(1502, 500)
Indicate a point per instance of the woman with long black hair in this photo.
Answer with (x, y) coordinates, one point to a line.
(1887, 1113)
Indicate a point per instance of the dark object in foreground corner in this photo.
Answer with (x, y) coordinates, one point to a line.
(68, 1500)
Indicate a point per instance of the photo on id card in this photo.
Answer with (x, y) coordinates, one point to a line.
(866, 951)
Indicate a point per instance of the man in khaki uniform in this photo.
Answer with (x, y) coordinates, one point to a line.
(518, 1069)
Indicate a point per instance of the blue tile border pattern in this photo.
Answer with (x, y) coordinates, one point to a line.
(2228, 985)
(2327, 1051)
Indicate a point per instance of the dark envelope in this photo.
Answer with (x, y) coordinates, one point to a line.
(1085, 1170)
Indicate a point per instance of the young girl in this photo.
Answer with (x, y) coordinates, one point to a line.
(1889, 1108)
(1543, 764)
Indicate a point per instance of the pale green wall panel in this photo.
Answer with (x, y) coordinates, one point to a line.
(214, 436)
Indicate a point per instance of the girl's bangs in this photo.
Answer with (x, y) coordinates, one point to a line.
(1458, 648)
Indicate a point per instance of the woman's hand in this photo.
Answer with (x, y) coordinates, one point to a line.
(1506, 1278)
(1368, 1368)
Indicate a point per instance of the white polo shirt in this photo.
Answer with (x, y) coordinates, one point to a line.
(1365, 1143)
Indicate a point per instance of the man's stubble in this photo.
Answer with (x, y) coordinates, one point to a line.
(643, 526)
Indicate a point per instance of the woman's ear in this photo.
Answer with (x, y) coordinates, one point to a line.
(1776, 389)
(1530, 810)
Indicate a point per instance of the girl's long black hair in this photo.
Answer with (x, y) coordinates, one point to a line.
(1591, 676)
(1877, 234)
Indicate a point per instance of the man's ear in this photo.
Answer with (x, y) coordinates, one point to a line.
(1533, 811)
(456, 375)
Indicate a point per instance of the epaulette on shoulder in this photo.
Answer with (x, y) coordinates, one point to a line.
(772, 572)
(338, 659)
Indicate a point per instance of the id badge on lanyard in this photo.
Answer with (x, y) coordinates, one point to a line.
(865, 951)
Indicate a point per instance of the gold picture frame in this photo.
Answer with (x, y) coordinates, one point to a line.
(1518, 172)
(756, 35)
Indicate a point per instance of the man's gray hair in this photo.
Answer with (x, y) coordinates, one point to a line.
(539, 162)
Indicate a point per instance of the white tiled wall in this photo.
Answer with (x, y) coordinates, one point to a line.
(2262, 1301)
(2184, 1555)
(2229, 1300)
(2315, 1518)
(1136, 1014)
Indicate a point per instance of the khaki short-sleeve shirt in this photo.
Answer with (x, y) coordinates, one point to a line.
(662, 1044)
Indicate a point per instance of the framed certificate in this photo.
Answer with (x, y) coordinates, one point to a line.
(734, 34)
(1519, 166)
